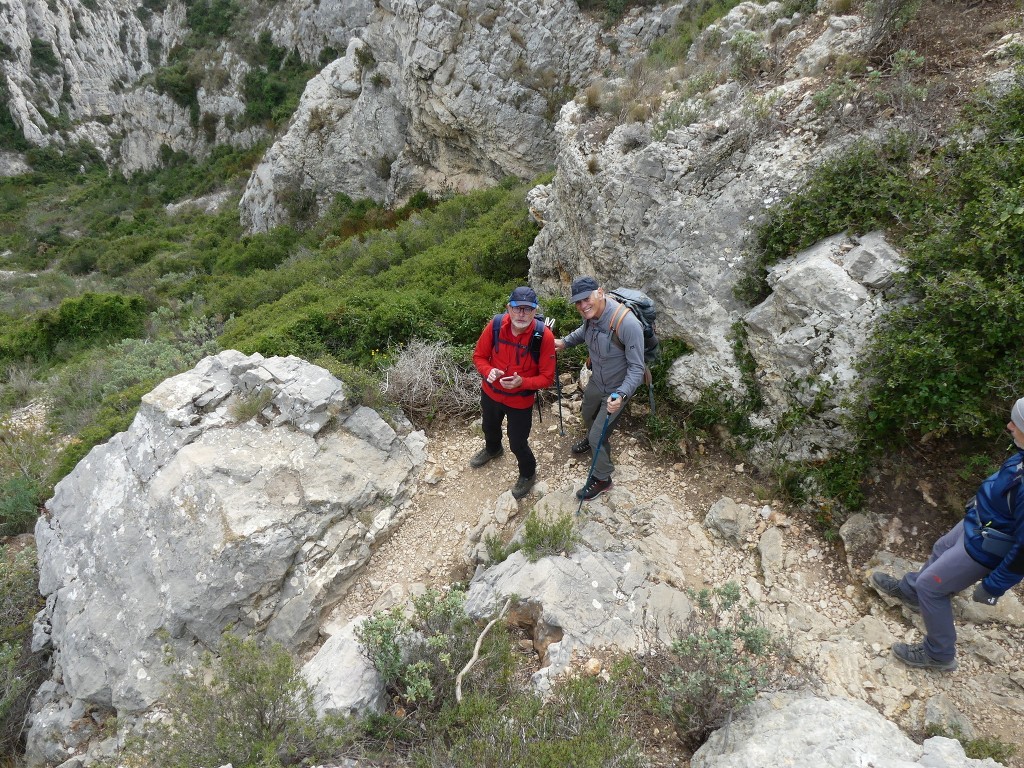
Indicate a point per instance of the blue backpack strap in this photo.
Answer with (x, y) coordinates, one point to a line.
(496, 328)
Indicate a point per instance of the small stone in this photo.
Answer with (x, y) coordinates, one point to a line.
(593, 667)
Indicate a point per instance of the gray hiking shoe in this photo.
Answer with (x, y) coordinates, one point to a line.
(481, 457)
(523, 486)
(887, 585)
(916, 656)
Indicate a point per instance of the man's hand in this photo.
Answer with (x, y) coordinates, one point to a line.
(982, 595)
(614, 402)
(559, 345)
(494, 375)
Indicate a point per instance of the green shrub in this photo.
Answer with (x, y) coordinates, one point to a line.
(21, 671)
(273, 87)
(868, 187)
(181, 81)
(497, 550)
(43, 57)
(210, 19)
(11, 136)
(580, 725)
(248, 705)
(612, 10)
(719, 661)
(86, 320)
(548, 537)
(20, 498)
(418, 656)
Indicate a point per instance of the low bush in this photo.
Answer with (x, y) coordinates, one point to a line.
(418, 656)
(581, 725)
(78, 322)
(21, 671)
(20, 498)
(548, 537)
(43, 57)
(247, 705)
(722, 657)
(427, 380)
(498, 722)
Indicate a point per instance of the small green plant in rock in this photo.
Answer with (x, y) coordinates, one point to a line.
(748, 54)
(978, 748)
(675, 115)
(43, 57)
(497, 550)
(548, 537)
(721, 659)
(251, 405)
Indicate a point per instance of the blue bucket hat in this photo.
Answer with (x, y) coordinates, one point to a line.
(523, 296)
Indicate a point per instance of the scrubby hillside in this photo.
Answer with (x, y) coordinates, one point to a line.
(181, 178)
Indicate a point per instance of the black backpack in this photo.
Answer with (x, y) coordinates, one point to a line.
(642, 307)
(533, 346)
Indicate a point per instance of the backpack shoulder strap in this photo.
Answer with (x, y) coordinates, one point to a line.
(616, 321)
(496, 328)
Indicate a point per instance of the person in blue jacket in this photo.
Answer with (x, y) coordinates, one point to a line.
(986, 547)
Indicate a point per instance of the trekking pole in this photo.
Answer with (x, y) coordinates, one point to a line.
(593, 461)
(649, 378)
(550, 323)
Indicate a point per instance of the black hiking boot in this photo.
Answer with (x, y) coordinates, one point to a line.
(523, 486)
(916, 656)
(887, 585)
(481, 457)
(581, 447)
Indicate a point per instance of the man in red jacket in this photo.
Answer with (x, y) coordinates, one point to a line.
(515, 354)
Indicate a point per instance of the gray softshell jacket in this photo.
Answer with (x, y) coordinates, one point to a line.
(616, 368)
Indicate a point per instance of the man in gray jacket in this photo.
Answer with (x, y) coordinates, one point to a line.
(615, 340)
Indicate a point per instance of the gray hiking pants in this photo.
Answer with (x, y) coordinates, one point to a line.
(949, 570)
(595, 409)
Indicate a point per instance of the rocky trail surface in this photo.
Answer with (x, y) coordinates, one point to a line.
(811, 589)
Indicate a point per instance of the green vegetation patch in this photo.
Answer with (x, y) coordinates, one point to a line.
(437, 276)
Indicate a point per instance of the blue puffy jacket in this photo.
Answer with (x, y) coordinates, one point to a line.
(999, 507)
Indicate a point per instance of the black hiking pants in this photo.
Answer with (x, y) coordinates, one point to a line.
(520, 421)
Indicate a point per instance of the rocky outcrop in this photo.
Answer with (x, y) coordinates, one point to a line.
(808, 334)
(605, 594)
(670, 206)
(439, 96)
(192, 522)
(95, 63)
(805, 731)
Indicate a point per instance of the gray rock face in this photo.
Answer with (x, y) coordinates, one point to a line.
(190, 522)
(107, 52)
(799, 730)
(342, 679)
(670, 206)
(431, 95)
(807, 335)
